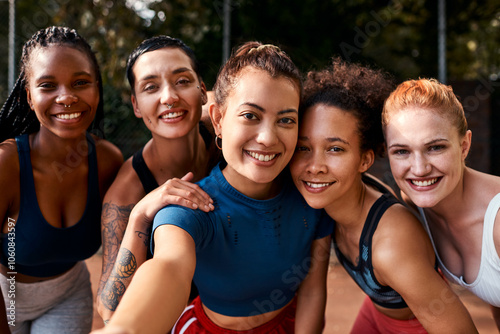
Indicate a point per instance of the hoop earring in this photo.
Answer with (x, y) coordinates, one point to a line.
(219, 146)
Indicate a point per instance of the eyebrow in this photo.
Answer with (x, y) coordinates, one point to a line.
(425, 144)
(45, 77)
(176, 71)
(329, 139)
(256, 106)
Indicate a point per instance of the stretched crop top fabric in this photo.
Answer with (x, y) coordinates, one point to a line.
(363, 273)
(251, 255)
(42, 250)
(142, 170)
(487, 283)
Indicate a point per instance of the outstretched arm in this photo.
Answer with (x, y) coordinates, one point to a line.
(166, 277)
(125, 256)
(311, 297)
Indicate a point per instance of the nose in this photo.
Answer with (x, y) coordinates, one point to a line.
(420, 165)
(67, 97)
(267, 135)
(169, 95)
(316, 164)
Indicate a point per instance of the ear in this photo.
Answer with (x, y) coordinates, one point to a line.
(204, 97)
(466, 143)
(28, 95)
(216, 117)
(367, 160)
(137, 112)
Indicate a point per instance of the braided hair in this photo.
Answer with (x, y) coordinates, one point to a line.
(16, 117)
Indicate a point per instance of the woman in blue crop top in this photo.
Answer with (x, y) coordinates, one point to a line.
(262, 253)
(54, 174)
(377, 240)
(168, 94)
(428, 143)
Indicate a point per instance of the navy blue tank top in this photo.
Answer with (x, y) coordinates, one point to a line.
(363, 273)
(42, 250)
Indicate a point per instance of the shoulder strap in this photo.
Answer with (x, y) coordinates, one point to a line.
(147, 178)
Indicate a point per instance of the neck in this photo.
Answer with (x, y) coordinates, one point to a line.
(47, 145)
(349, 210)
(176, 156)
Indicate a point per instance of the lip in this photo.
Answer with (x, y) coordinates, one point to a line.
(263, 158)
(316, 187)
(424, 184)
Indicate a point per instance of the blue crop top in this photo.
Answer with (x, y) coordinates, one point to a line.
(363, 273)
(251, 255)
(42, 250)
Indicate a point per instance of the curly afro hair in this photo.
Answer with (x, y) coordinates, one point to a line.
(356, 89)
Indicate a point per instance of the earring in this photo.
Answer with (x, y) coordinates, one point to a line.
(217, 140)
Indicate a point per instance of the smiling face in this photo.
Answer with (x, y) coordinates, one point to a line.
(62, 89)
(328, 161)
(258, 128)
(426, 154)
(168, 94)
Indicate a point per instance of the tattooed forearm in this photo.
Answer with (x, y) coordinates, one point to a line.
(114, 221)
(112, 293)
(125, 267)
(144, 236)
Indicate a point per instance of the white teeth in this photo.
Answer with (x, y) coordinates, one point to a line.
(173, 114)
(69, 116)
(262, 157)
(424, 183)
(317, 185)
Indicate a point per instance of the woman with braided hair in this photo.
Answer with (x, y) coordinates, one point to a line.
(260, 258)
(54, 175)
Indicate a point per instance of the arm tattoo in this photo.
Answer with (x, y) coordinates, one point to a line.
(144, 236)
(114, 222)
(125, 267)
(114, 219)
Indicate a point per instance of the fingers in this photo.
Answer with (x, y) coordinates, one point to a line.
(188, 177)
(180, 192)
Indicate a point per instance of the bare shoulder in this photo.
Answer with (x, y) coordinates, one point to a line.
(108, 154)
(8, 153)
(9, 162)
(126, 187)
(400, 237)
(109, 160)
(9, 179)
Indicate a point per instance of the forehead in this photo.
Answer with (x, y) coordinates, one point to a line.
(415, 124)
(161, 60)
(58, 59)
(328, 121)
(256, 84)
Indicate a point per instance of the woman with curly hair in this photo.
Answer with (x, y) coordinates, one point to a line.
(377, 240)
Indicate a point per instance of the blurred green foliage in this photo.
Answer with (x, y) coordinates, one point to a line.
(399, 36)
